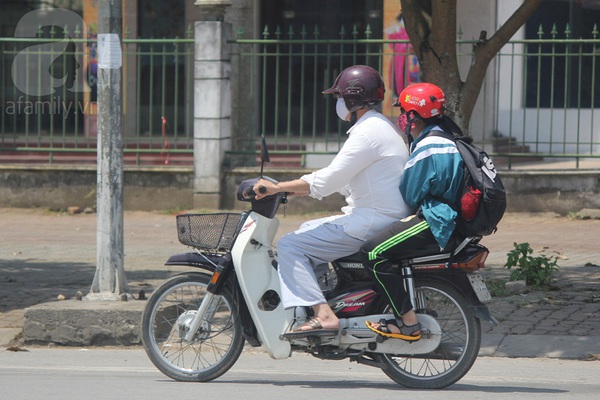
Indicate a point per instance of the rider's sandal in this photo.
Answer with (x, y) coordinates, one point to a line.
(316, 329)
(407, 332)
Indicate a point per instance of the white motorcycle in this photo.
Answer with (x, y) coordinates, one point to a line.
(196, 323)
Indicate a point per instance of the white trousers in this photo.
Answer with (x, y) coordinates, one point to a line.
(315, 243)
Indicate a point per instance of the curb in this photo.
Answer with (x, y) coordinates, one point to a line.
(84, 323)
(536, 346)
(118, 323)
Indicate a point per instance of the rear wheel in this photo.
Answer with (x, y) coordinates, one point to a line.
(459, 347)
(166, 320)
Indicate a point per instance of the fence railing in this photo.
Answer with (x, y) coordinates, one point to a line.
(539, 101)
(548, 95)
(49, 111)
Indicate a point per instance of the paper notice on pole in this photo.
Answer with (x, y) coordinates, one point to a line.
(109, 51)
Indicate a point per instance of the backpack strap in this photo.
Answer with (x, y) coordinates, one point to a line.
(449, 136)
(442, 133)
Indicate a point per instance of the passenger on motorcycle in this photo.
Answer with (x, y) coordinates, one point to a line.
(432, 180)
(367, 171)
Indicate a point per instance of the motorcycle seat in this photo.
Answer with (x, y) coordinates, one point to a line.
(432, 250)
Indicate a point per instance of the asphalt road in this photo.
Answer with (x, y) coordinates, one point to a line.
(68, 374)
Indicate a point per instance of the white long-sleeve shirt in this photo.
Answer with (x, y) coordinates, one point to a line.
(367, 171)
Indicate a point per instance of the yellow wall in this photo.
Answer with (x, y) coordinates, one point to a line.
(391, 9)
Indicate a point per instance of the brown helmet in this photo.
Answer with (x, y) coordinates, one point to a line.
(359, 86)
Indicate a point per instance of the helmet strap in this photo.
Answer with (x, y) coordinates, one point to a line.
(353, 117)
(409, 137)
(410, 118)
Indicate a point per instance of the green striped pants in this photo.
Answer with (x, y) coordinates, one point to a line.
(408, 237)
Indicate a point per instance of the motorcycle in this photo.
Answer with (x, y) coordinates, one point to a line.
(195, 324)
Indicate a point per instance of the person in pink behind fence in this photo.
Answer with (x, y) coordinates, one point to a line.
(404, 65)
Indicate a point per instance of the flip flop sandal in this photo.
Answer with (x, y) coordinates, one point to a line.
(316, 329)
(406, 331)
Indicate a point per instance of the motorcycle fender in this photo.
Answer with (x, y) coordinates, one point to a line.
(195, 260)
(484, 314)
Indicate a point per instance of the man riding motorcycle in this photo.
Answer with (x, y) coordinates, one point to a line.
(367, 171)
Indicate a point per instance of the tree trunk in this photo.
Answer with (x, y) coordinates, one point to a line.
(431, 26)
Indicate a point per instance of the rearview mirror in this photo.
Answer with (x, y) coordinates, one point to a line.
(264, 151)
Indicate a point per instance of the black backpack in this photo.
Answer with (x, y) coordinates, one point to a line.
(482, 201)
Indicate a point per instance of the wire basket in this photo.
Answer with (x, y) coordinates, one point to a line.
(214, 232)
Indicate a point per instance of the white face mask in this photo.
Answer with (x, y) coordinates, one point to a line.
(341, 109)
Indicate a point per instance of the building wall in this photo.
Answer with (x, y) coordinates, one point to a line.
(61, 187)
(168, 188)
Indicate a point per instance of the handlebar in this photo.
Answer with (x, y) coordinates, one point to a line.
(249, 193)
(266, 206)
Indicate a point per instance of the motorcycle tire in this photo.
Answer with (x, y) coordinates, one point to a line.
(217, 344)
(459, 347)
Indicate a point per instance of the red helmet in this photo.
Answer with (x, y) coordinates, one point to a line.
(358, 85)
(425, 99)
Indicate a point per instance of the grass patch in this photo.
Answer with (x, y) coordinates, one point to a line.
(497, 287)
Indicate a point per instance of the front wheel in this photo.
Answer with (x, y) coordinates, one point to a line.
(217, 344)
(459, 346)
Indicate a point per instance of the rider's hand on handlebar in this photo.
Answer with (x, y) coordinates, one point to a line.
(265, 188)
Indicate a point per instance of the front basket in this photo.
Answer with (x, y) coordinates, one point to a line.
(214, 232)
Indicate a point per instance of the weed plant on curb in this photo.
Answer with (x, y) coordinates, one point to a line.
(536, 271)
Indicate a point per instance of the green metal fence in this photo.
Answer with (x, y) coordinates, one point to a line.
(285, 73)
(48, 96)
(539, 101)
(548, 96)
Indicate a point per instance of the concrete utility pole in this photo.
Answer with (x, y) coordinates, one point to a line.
(109, 282)
(212, 101)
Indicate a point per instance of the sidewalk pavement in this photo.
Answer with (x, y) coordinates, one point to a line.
(46, 255)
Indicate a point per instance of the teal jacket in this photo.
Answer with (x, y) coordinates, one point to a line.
(432, 180)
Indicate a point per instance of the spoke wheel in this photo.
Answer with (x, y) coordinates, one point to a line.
(459, 347)
(217, 343)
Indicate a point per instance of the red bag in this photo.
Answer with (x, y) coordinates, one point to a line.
(469, 203)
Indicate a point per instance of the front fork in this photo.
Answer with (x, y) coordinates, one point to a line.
(213, 290)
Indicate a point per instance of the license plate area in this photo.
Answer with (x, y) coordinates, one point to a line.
(478, 285)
